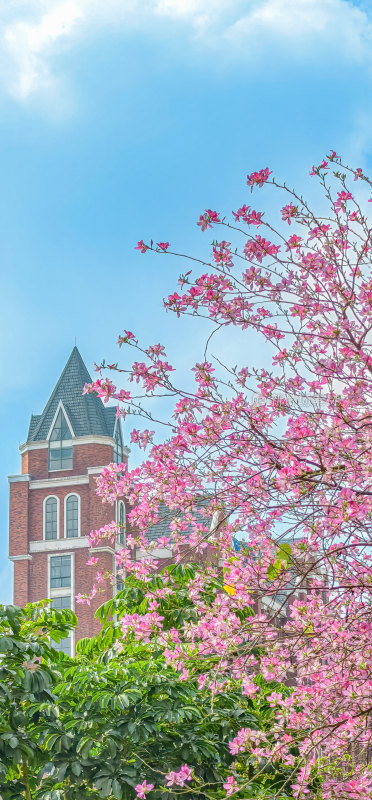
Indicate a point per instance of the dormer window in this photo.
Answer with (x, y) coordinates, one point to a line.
(60, 449)
(118, 446)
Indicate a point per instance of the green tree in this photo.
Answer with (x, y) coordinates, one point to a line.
(118, 713)
(29, 671)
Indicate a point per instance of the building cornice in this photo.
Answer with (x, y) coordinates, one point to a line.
(95, 470)
(18, 478)
(26, 557)
(56, 545)
(158, 552)
(77, 440)
(51, 483)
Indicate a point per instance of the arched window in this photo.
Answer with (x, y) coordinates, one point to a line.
(51, 507)
(60, 449)
(118, 446)
(72, 516)
(121, 522)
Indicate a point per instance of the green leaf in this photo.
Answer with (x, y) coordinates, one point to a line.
(116, 789)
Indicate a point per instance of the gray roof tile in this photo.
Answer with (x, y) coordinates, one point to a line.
(161, 528)
(87, 413)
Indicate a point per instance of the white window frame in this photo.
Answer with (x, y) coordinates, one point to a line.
(64, 591)
(60, 406)
(57, 445)
(118, 426)
(117, 519)
(71, 494)
(49, 497)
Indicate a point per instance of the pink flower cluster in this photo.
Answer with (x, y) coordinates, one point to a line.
(259, 248)
(179, 778)
(142, 789)
(248, 215)
(208, 219)
(142, 626)
(258, 178)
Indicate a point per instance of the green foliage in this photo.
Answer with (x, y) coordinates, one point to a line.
(29, 669)
(100, 723)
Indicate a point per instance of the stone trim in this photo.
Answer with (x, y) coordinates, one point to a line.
(50, 483)
(18, 478)
(57, 545)
(20, 558)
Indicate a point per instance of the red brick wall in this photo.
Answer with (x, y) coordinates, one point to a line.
(38, 577)
(21, 583)
(35, 462)
(91, 455)
(18, 518)
(100, 513)
(84, 578)
(24, 463)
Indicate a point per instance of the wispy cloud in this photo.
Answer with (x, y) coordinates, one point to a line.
(30, 46)
(35, 32)
(306, 26)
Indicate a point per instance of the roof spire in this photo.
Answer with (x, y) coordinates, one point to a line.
(87, 413)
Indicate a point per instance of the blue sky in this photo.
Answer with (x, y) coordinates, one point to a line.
(125, 120)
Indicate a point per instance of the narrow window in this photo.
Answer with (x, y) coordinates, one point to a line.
(119, 578)
(61, 602)
(72, 516)
(65, 645)
(118, 446)
(60, 572)
(60, 449)
(121, 523)
(51, 518)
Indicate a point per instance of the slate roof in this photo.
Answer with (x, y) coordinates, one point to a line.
(161, 528)
(87, 413)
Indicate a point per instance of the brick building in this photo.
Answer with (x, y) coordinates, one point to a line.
(53, 505)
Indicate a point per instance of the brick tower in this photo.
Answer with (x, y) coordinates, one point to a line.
(53, 505)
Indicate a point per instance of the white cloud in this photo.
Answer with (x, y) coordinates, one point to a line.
(305, 25)
(30, 44)
(35, 31)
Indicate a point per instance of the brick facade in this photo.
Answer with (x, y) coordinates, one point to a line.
(39, 555)
(26, 528)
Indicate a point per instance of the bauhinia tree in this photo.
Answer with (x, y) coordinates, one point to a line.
(279, 458)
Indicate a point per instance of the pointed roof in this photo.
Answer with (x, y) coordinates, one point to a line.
(87, 413)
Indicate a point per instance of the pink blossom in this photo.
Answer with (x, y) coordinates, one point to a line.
(258, 178)
(142, 789)
(141, 246)
(342, 198)
(163, 246)
(288, 212)
(293, 242)
(179, 778)
(91, 561)
(316, 170)
(207, 219)
(230, 786)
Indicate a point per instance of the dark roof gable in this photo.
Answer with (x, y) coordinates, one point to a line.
(87, 413)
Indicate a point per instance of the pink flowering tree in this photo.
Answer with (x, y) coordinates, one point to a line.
(270, 470)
